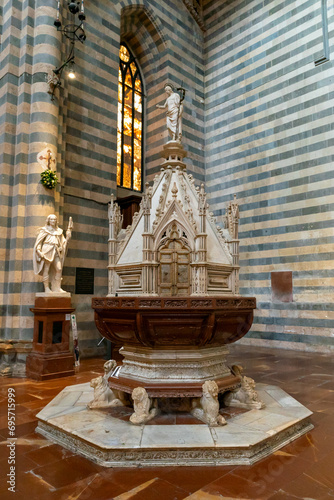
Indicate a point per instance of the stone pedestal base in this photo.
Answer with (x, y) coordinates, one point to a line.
(48, 366)
(173, 153)
(162, 365)
(172, 373)
(114, 442)
(50, 356)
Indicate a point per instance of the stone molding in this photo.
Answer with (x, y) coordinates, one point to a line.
(174, 303)
(174, 365)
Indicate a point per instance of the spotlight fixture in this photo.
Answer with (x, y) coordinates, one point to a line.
(73, 32)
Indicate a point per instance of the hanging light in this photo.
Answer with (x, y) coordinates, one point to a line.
(73, 32)
(71, 72)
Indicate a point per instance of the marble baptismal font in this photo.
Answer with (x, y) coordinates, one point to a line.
(173, 302)
(173, 306)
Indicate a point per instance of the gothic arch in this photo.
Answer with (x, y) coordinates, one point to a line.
(165, 233)
(142, 31)
(146, 16)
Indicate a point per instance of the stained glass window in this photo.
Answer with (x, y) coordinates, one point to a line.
(129, 122)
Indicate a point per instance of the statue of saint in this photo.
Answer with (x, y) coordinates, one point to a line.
(49, 253)
(174, 108)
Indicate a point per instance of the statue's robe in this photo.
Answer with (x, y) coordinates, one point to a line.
(51, 242)
(174, 113)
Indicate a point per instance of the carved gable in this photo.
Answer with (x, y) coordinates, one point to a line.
(174, 246)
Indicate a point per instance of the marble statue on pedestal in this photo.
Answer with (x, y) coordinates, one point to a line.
(174, 108)
(49, 253)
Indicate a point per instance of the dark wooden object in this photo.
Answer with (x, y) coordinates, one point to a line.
(178, 323)
(172, 321)
(129, 206)
(50, 356)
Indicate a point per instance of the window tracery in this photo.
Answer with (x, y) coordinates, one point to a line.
(129, 122)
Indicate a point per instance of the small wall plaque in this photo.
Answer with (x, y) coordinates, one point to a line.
(84, 281)
(281, 286)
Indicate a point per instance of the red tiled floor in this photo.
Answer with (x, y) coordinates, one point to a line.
(158, 488)
(102, 489)
(123, 480)
(193, 478)
(48, 454)
(271, 473)
(306, 486)
(187, 419)
(234, 486)
(323, 471)
(303, 469)
(28, 487)
(66, 471)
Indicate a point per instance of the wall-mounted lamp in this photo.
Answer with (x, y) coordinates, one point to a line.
(73, 32)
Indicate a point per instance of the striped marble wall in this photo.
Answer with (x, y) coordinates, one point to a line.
(269, 139)
(29, 122)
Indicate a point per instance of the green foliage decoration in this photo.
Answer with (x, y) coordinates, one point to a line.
(49, 179)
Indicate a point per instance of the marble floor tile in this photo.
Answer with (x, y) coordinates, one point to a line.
(83, 418)
(236, 436)
(104, 433)
(192, 436)
(66, 398)
(283, 398)
(54, 411)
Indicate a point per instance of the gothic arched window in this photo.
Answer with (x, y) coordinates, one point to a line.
(129, 122)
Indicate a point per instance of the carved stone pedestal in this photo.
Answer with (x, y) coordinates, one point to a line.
(172, 372)
(50, 356)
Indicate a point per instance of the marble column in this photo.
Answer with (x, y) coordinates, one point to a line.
(31, 50)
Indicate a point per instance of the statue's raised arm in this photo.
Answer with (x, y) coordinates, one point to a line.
(174, 107)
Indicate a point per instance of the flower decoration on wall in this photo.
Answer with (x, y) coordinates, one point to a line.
(49, 179)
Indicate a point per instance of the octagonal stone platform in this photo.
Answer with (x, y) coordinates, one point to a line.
(112, 442)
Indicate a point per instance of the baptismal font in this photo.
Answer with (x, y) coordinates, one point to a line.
(173, 301)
